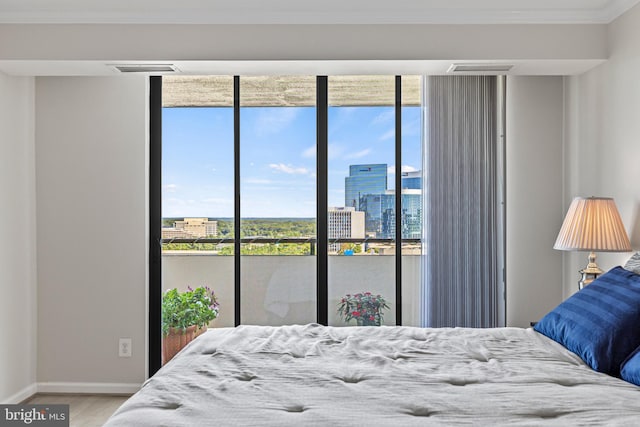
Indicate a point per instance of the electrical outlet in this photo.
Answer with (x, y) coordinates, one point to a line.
(124, 347)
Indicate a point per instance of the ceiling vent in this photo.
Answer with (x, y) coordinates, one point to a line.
(145, 68)
(486, 68)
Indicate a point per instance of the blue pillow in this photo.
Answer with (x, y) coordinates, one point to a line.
(631, 368)
(600, 322)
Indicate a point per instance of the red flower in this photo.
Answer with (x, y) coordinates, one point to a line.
(371, 318)
(355, 313)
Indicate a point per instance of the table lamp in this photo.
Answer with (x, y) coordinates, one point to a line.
(592, 224)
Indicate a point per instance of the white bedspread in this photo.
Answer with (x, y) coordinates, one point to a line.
(388, 376)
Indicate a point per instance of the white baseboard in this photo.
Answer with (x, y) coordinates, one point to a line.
(92, 388)
(72, 388)
(23, 394)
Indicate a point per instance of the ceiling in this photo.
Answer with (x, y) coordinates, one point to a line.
(290, 68)
(312, 12)
(285, 12)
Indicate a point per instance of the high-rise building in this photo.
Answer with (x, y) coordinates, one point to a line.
(411, 218)
(346, 223)
(380, 217)
(379, 209)
(364, 179)
(371, 206)
(412, 180)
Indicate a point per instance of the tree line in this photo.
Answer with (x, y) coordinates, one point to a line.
(271, 228)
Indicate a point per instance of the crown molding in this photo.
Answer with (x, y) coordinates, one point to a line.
(326, 12)
(615, 8)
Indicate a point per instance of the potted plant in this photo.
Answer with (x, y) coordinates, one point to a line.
(185, 315)
(365, 307)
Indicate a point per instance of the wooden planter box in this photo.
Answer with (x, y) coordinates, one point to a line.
(177, 339)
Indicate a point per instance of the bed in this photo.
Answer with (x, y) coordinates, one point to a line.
(313, 375)
(307, 375)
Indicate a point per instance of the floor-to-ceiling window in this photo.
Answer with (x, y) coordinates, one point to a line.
(198, 188)
(362, 214)
(278, 199)
(287, 194)
(247, 194)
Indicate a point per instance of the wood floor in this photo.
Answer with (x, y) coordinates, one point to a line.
(86, 410)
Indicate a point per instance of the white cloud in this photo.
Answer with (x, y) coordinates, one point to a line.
(258, 181)
(170, 188)
(281, 167)
(391, 133)
(309, 152)
(405, 168)
(346, 112)
(217, 201)
(175, 201)
(384, 117)
(273, 120)
(339, 172)
(335, 150)
(207, 207)
(412, 127)
(358, 154)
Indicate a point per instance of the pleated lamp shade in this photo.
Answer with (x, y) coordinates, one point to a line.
(593, 224)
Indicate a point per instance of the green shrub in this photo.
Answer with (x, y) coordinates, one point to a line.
(180, 310)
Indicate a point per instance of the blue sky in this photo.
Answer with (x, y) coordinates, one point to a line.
(278, 170)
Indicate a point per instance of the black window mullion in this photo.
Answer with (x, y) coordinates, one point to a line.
(155, 224)
(322, 249)
(398, 184)
(236, 201)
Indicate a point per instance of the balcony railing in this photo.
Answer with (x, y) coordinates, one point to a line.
(281, 289)
(311, 241)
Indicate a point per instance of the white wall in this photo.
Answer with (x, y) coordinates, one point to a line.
(91, 163)
(534, 147)
(18, 244)
(603, 138)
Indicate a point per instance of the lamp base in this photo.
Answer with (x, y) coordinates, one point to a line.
(590, 272)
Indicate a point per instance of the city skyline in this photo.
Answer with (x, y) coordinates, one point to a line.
(278, 176)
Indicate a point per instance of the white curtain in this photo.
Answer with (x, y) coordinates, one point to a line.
(463, 204)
